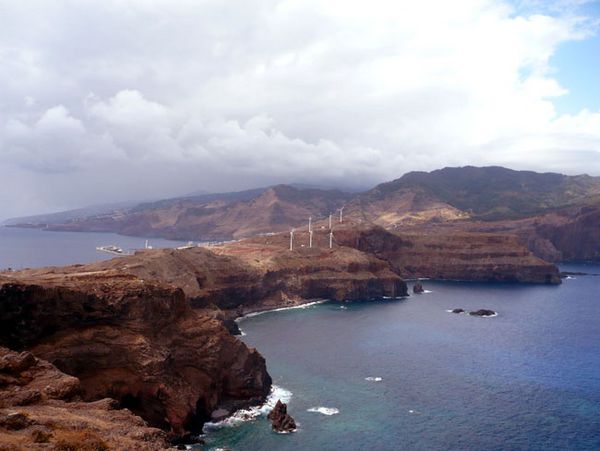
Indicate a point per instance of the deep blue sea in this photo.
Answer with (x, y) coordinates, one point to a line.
(527, 379)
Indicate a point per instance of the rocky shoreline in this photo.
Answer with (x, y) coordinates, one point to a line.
(149, 336)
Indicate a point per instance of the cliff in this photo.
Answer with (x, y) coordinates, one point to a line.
(569, 234)
(40, 408)
(126, 329)
(452, 255)
(340, 273)
(133, 340)
(253, 274)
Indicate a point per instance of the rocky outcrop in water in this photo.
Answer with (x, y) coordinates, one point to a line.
(418, 288)
(483, 312)
(136, 341)
(281, 421)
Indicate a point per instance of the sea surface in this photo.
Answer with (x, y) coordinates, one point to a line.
(409, 375)
(33, 248)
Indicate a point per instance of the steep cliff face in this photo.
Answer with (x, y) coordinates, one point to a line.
(576, 237)
(40, 409)
(453, 255)
(126, 330)
(562, 235)
(262, 272)
(133, 340)
(339, 273)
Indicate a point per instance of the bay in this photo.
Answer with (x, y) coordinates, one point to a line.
(528, 378)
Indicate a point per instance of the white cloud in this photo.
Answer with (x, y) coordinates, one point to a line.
(199, 95)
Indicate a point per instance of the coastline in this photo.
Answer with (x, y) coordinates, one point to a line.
(302, 304)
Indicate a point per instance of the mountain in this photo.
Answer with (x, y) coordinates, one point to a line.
(70, 215)
(486, 193)
(554, 215)
(217, 216)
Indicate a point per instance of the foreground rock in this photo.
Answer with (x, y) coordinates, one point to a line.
(458, 310)
(136, 341)
(418, 288)
(280, 419)
(40, 409)
(483, 312)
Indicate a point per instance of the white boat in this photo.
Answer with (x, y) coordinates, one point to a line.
(189, 245)
(111, 249)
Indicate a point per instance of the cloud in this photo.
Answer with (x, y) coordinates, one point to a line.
(150, 99)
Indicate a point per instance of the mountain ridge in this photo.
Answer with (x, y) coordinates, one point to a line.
(543, 209)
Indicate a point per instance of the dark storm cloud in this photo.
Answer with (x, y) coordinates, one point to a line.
(116, 100)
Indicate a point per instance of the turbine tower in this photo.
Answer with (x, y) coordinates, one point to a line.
(310, 223)
(329, 221)
(330, 239)
(292, 240)
(341, 214)
(310, 238)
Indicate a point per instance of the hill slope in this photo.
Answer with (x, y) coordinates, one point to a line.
(217, 217)
(487, 193)
(553, 214)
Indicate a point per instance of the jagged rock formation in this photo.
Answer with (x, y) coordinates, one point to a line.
(281, 421)
(418, 288)
(133, 340)
(126, 330)
(40, 409)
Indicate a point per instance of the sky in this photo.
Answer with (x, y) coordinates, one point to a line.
(107, 101)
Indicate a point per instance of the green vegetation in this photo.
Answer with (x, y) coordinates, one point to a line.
(493, 193)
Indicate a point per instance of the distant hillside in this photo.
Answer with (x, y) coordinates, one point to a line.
(553, 214)
(69, 215)
(217, 216)
(488, 193)
(201, 199)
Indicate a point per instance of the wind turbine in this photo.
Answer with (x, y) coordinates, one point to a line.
(310, 238)
(330, 239)
(341, 214)
(329, 221)
(292, 240)
(310, 223)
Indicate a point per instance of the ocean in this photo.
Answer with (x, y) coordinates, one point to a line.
(407, 374)
(33, 248)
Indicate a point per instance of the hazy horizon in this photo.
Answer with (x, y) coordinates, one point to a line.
(118, 101)
(132, 202)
